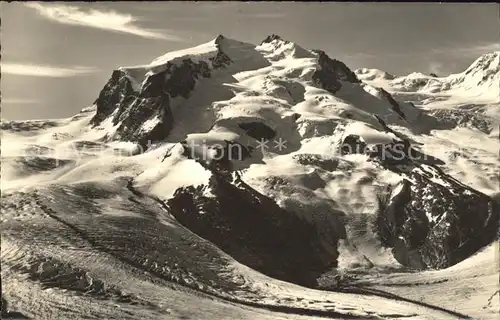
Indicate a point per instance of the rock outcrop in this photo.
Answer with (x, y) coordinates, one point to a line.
(431, 225)
(330, 72)
(146, 114)
(253, 229)
(431, 220)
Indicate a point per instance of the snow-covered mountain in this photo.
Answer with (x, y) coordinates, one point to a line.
(367, 74)
(481, 78)
(246, 177)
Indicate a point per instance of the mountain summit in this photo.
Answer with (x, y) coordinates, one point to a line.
(482, 74)
(141, 102)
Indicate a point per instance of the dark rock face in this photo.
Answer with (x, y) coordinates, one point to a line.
(330, 71)
(221, 60)
(389, 76)
(183, 77)
(432, 220)
(431, 225)
(258, 130)
(112, 95)
(271, 38)
(253, 229)
(153, 100)
(393, 102)
(433, 75)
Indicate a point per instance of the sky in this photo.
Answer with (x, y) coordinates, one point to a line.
(57, 56)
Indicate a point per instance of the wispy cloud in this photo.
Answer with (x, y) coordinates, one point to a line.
(436, 68)
(106, 20)
(473, 50)
(44, 71)
(19, 101)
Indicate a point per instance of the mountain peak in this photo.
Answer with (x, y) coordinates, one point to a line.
(277, 48)
(271, 38)
(487, 61)
(483, 73)
(335, 67)
(319, 53)
(219, 39)
(138, 100)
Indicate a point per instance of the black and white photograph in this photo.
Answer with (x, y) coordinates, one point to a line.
(210, 160)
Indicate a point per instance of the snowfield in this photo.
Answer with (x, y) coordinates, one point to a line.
(127, 211)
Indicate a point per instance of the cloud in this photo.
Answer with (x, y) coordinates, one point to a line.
(469, 51)
(474, 50)
(44, 71)
(19, 101)
(482, 49)
(106, 20)
(436, 68)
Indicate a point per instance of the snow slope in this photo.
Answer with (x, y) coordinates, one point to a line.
(118, 212)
